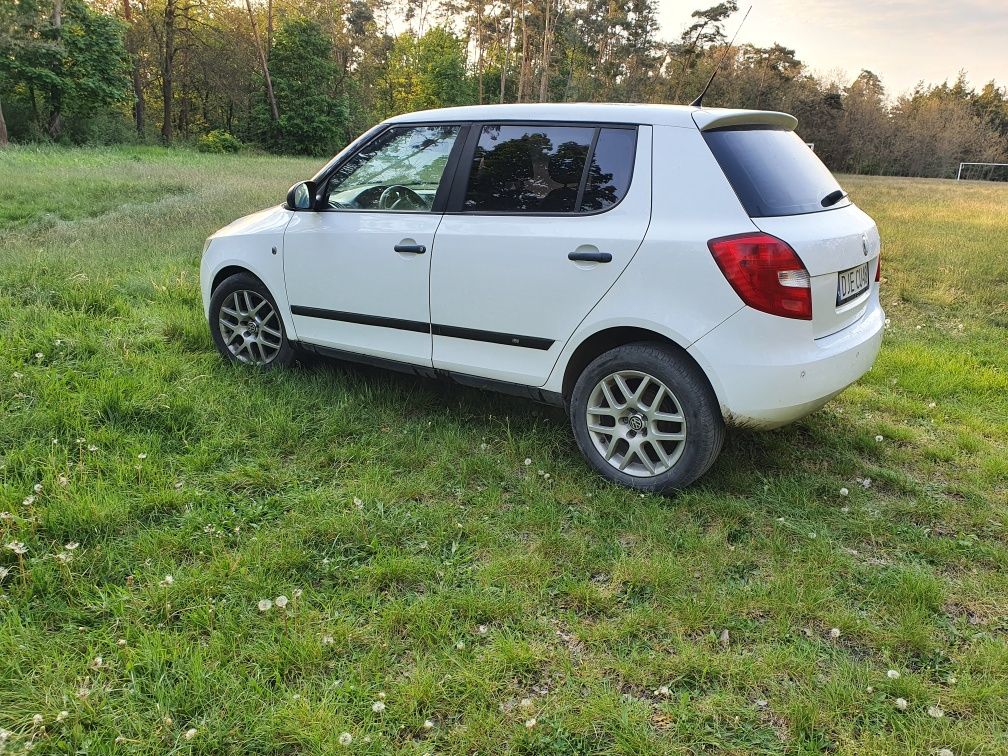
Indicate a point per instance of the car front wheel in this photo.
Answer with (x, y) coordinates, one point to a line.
(245, 323)
(646, 417)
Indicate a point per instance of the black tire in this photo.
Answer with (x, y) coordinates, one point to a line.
(253, 354)
(692, 398)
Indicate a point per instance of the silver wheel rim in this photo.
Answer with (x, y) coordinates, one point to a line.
(250, 327)
(637, 424)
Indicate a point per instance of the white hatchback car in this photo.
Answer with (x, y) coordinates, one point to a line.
(657, 270)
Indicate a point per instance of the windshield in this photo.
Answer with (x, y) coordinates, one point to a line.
(773, 171)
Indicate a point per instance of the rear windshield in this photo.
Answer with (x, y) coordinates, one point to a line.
(773, 171)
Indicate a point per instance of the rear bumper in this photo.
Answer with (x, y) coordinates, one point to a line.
(769, 371)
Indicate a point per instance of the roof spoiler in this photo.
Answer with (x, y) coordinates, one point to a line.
(718, 118)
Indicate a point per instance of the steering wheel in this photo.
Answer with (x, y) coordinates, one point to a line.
(397, 197)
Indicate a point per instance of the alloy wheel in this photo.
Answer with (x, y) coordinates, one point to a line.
(636, 423)
(250, 327)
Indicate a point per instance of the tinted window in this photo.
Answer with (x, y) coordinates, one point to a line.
(611, 166)
(772, 171)
(528, 168)
(399, 170)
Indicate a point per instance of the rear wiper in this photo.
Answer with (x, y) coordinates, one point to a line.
(833, 197)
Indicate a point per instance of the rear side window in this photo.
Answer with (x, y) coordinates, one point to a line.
(773, 171)
(549, 169)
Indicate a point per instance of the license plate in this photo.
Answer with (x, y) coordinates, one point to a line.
(851, 283)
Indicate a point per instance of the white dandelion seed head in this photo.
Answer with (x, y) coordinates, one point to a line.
(280, 601)
(121, 642)
(936, 711)
(866, 482)
(892, 674)
(901, 704)
(37, 720)
(71, 545)
(482, 630)
(17, 547)
(97, 662)
(526, 703)
(762, 703)
(945, 752)
(190, 733)
(951, 680)
(345, 739)
(265, 605)
(663, 690)
(527, 461)
(844, 491)
(878, 439)
(428, 724)
(834, 632)
(167, 720)
(37, 488)
(328, 640)
(297, 593)
(460, 645)
(62, 715)
(530, 723)
(378, 707)
(28, 501)
(932, 405)
(63, 480)
(92, 448)
(358, 503)
(167, 581)
(64, 557)
(870, 688)
(6, 516)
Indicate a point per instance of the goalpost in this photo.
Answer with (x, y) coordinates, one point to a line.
(983, 171)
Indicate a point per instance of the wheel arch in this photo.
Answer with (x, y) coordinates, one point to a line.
(231, 270)
(609, 338)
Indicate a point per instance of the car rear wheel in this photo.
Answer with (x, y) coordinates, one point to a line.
(246, 325)
(647, 418)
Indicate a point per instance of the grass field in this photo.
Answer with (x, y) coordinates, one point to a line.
(490, 605)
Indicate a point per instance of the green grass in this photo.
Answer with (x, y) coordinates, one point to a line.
(403, 510)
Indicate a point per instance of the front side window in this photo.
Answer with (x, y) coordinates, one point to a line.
(399, 170)
(542, 169)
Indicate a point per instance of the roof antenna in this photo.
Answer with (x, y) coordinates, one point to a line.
(698, 102)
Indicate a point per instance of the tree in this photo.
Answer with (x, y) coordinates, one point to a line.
(429, 72)
(312, 118)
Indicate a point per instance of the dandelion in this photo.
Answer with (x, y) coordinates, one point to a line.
(428, 724)
(71, 545)
(378, 707)
(358, 503)
(844, 492)
(530, 723)
(526, 703)
(936, 711)
(945, 752)
(866, 482)
(17, 375)
(460, 645)
(167, 582)
(4, 572)
(37, 720)
(37, 488)
(280, 601)
(761, 703)
(527, 461)
(901, 704)
(892, 674)
(834, 633)
(328, 640)
(297, 594)
(63, 480)
(482, 629)
(951, 680)
(17, 547)
(28, 501)
(345, 739)
(167, 720)
(62, 715)
(878, 439)
(39, 356)
(190, 733)
(92, 448)
(121, 642)
(663, 690)
(381, 695)
(932, 405)
(265, 605)
(97, 662)
(6, 516)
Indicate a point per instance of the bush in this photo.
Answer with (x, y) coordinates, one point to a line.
(219, 141)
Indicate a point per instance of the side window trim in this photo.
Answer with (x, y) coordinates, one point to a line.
(460, 184)
(444, 187)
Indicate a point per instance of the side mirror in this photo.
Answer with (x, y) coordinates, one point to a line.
(301, 196)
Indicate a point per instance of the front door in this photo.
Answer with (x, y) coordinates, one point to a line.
(357, 270)
(550, 217)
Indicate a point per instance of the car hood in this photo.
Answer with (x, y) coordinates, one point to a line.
(272, 219)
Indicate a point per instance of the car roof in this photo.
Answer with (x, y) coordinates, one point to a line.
(604, 112)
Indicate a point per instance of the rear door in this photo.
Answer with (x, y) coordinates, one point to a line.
(790, 194)
(542, 220)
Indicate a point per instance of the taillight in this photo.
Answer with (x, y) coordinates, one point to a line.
(878, 267)
(766, 273)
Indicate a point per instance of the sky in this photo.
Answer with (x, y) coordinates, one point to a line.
(903, 41)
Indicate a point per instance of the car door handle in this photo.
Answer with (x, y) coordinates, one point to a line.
(598, 257)
(412, 249)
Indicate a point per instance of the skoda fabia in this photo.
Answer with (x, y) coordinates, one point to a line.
(660, 271)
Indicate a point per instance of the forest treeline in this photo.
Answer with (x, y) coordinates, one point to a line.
(306, 76)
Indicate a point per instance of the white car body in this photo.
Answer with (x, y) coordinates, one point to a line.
(502, 305)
